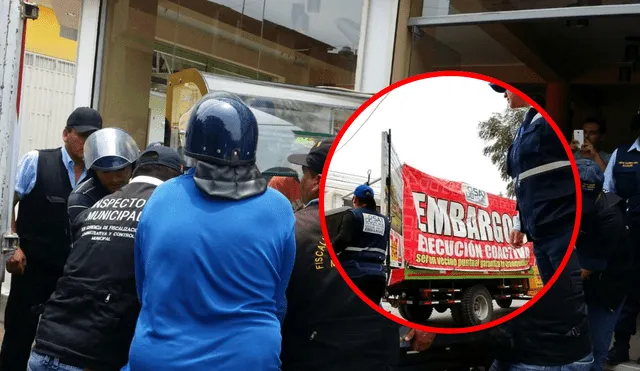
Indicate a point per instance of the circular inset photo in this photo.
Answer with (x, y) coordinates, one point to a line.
(452, 202)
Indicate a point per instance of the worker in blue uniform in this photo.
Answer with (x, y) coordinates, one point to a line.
(544, 188)
(361, 244)
(622, 177)
(546, 198)
(213, 254)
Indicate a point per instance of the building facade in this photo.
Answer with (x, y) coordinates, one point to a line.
(582, 56)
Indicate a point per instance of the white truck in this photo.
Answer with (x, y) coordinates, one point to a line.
(13, 18)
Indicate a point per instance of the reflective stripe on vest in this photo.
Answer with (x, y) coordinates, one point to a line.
(365, 249)
(542, 169)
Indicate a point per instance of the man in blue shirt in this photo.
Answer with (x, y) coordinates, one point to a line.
(604, 253)
(44, 181)
(622, 177)
(213, 254)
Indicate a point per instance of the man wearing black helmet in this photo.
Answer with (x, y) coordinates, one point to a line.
(89, 320)
(224, 245)
(44, 181)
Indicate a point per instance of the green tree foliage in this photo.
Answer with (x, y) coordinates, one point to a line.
(498, 133)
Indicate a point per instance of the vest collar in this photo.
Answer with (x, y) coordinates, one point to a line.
(146, 179)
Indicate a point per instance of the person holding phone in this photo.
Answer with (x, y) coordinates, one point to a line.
(592, 133)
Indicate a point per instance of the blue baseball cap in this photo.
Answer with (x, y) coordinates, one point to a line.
(363, 192)
(497, 88)
(591, 181)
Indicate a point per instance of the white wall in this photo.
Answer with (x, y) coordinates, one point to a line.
(47, 100)
(339, 185)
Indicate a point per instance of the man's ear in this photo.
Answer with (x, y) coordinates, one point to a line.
(65, 135)
(316, 182)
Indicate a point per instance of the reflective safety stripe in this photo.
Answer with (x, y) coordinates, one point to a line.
(543, 169)
(365, 249)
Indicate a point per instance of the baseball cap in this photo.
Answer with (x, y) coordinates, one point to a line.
(84, 120)
(591, 181)
(497, 88)
(363, 191)
(316, 157)
(161, 155)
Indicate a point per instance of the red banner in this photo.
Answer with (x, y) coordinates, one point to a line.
(454, 226)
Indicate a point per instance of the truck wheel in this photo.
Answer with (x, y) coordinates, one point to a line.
(504, 303)
(415, 313)
(477, 305)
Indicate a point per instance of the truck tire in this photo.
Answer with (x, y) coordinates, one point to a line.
(504, 303)
(415, 313)
(476, 306)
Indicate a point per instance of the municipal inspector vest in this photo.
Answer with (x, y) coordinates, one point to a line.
(90, 319)
(626, 175)
(544, 184)
(367, 256)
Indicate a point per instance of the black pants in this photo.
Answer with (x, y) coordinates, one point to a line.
(626, 325)
(28, 291)
(372, 286)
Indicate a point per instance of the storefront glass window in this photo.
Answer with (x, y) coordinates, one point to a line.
(309, 43)
(431, 8)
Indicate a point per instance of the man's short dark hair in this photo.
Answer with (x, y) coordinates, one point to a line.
(161, 172)
(369, 202)
(311, 172)
(602, 125)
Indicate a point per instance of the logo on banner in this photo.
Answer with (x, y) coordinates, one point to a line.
(373, 224)
(475, 196)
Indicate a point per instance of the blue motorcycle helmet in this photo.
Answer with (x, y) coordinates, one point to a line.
(222, 130)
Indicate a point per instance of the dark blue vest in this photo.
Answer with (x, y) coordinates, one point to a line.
(626, 175)
(366, 257)
(546, 201)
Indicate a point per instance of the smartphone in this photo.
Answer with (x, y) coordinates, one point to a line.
(578, 135)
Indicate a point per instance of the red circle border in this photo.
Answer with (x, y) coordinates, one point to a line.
(565, 260)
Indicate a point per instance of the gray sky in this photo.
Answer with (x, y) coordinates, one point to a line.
(433, 126)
